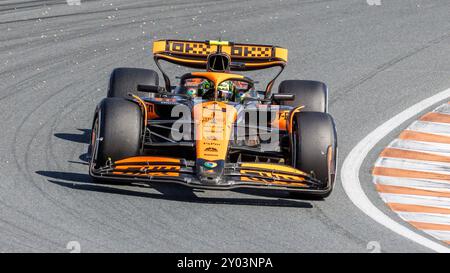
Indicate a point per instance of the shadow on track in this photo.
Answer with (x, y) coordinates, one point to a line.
(170, 192)
(82, 138)
(78, 138)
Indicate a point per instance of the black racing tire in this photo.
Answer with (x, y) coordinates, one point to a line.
(313, 138)
(311, 94)
(118, 126)
(125, 80)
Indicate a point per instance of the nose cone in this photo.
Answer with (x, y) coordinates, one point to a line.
(213, 126)
(210, 172)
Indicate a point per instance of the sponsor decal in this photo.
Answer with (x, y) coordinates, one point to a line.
(160, 168)
(190, 48)
(207, 119)
(208, 143)
(269, 176)
(251, 51)
(283, 115)
(210, 164)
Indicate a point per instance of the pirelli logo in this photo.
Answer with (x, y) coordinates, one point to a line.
(192, 48)
(251, 51)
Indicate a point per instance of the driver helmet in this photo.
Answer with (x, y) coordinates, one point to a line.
(192, 92)
(225, 90)
(204, 87)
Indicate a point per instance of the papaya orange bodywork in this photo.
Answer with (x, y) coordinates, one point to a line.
(213, 125)
(147, 159)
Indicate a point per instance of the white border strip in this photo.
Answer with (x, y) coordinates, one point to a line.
(352, 164)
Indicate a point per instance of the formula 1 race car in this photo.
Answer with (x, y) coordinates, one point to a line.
(215, 130)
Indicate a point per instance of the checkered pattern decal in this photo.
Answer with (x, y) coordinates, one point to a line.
(251, 51)
(190, 48)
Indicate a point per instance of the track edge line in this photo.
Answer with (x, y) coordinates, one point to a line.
(352, 165)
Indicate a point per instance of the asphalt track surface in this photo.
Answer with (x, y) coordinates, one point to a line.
(55, 61)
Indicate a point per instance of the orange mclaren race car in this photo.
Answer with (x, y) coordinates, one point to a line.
(214, 130)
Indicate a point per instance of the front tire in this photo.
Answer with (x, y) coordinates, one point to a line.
(117, 131)
(314, 146)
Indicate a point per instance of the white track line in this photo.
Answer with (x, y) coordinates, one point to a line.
(352, 164)
(411, 182)
(430, 147)
(443, 109)
(434, 218)
(440, 234)
(442, 129)
(414, 165)
(421, 200)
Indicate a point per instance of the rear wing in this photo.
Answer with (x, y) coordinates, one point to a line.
(194, 54)
(243, 56)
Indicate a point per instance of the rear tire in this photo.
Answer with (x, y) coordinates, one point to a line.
(118, 126)
(311, 94)
(125, 80)
(315, 148)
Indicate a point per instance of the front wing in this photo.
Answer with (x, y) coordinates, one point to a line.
(147, 169)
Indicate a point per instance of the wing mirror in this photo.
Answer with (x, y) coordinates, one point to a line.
(150, 88)
(282, 97)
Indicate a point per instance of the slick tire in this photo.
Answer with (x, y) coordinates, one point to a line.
(315, 148)
(311, 94)
(118, 128)
(125, 80)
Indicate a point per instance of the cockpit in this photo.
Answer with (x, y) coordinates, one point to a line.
(217, 86)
